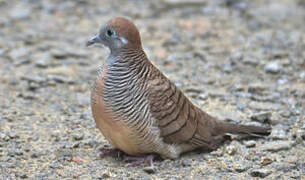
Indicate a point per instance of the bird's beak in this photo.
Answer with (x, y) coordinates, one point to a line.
(95, 39)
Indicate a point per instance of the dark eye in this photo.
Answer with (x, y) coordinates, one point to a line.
(110, 32)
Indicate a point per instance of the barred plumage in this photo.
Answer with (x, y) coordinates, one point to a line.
(140, 111)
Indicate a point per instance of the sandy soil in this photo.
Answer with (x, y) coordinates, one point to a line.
(242, 61)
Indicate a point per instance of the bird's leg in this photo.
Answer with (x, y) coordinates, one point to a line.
(109, 151)
(135, 161)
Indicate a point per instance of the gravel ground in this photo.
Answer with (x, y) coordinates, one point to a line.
(241, 61)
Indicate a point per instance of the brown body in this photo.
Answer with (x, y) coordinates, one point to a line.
(140, 111)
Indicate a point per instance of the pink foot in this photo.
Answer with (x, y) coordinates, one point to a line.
(135, 161)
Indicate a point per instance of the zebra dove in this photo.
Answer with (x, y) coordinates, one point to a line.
(140, 111)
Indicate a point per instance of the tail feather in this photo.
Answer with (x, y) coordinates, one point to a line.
(255, 131)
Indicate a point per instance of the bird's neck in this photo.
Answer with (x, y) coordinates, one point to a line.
(126, 56)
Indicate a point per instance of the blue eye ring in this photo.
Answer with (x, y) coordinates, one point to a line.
(110, 32)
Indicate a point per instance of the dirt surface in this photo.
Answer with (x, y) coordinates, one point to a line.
(242, 61)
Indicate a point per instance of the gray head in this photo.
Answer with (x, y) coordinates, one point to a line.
(118, 33)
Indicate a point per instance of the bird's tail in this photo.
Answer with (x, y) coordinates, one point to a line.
(254, 131)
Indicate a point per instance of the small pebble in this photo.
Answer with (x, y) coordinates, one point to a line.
(22, 61)
(241, 167)
(42, 64)
(64, 155)
(227, 68)
(265, 161)
(35, 79)
(78, 136)
(150, 169)
(22, 175)
(275, 146)
(250, 61)
(262, 117)
(203, 96)
(60, 79)
(250, 143)
(15, 152)
(295, 174)
(264, 106)
(260, 173)
(278, 132)
(35, 155)
(302, 75)
(231, 150)
(273, 67)
(54, 165)
(4, 137)
(186, 163)
(20, 11)
(33, 86)
(106, 174)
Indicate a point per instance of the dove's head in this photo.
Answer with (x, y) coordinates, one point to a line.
(118, 33)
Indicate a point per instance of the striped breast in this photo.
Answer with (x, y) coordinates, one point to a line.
(122, 111)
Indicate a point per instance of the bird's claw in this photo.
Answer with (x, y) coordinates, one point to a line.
(135, 161)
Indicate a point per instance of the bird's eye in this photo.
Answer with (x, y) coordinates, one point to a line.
(110, 32)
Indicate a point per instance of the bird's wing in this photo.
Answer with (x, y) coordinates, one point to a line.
(175, 115)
